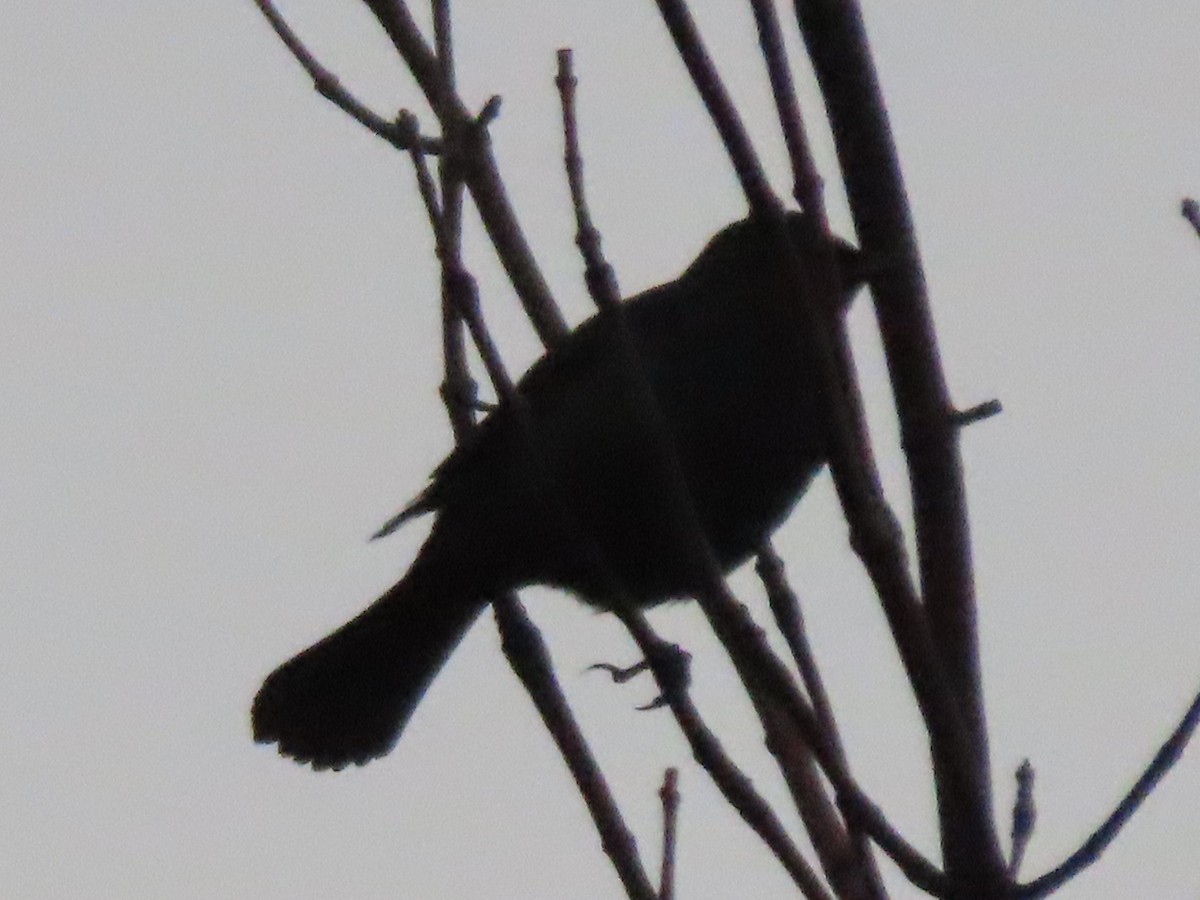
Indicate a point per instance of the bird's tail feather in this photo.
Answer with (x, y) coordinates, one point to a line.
(347, 698)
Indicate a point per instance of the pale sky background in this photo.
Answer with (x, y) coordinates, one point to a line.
(218, 373)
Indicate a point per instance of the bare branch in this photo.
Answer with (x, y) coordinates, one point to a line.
(601, 280)
(1168, 754)
(602, 285)
(458, 386)
(862, 813)
(669, 794)
(960, 418)
(1024, 816)
(526, 652)
(520, 639)
(720, 106)
(1190, 210)
(327, 85)
(875, 534)
(808, 187)
(836, 40)
(737, 789)
(467, 139)
(785, 606)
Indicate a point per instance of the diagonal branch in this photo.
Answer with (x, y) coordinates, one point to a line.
(785, 607)
(1097, 842)
(467, 140)
(328, 86)
(707, 750)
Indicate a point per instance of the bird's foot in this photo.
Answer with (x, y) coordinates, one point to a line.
(670, 664)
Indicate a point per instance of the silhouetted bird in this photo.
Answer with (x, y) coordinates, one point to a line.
(534, 501)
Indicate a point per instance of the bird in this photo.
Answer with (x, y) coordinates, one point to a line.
(570, 472)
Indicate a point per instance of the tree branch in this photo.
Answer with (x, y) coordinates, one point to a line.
(467, 139)
(1097, 842)
(327, 85)
(836, 40)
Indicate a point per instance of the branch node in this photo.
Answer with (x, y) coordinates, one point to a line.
(326, 84)
(408, 128)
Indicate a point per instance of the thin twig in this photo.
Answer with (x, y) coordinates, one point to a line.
(862, 813)
(721, 109)
(526, 653)
(602, 285)
(960, 418)
(467, 139)
(601, 280)
(1024, 816)
(1097, 842)
(785, 606)
(327, 85)
(520, 640)
(827, 831)
(458, 385)
(808, 187)
(669, 794)
(1190, 210)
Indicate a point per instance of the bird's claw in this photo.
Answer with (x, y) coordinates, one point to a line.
(670, 664)
(618, 674)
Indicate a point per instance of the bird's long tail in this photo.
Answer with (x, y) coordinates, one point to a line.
(347, 698)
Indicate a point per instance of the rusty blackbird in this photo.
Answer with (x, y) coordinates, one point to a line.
(539, 495)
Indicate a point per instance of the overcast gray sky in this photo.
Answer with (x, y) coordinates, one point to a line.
(218, 374)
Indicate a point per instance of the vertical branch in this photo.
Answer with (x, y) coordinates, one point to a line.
(836, 40)
(601, 280)
(1024, 815)
(458, 389)
(669, 794)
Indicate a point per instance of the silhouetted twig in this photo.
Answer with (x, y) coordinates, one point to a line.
(808, 187)
(468, 141)
(1190, 210)
(875, 534)
(836, 40)
(844, 850)
(526, 652)
(669, 794)
(1097, 842)
(327, 85)
(1024, 817)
